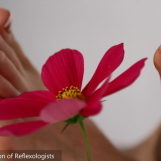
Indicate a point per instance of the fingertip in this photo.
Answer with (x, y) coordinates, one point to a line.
(5, 18)
(157, 60)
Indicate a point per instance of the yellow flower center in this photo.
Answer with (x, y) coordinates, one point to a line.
(70, 92)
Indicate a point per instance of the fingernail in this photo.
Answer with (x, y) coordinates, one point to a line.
(8, 22)
(159, 50)
(160, 47)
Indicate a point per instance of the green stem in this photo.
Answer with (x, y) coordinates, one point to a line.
(86, 141)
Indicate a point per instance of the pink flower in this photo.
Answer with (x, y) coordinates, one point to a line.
(62, 74)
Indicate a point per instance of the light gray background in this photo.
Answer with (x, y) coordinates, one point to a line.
(92, 26)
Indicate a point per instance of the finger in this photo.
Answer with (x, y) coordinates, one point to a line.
(7, 89)
(9, 71)
(5, 19)
(10, 53)
(26, 64)
(157, 60)
(12, 42)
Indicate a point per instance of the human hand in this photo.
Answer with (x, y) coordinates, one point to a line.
(17, 74)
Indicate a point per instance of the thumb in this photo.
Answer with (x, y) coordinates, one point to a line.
(157, 60)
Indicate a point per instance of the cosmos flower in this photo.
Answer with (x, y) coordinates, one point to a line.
(62, 74)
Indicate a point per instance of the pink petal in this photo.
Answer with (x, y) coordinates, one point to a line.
(63, 69)
(20, 129)
(91, 109)
(93, 102)
(99, 93)
(61, 110)
(126, 78)
(110, 61)
(26, 105)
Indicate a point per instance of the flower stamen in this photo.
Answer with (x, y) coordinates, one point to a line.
(69, 93)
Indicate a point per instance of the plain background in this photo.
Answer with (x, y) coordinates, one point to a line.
(92, 26)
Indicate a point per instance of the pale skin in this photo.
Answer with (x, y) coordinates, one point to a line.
(18, 75)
